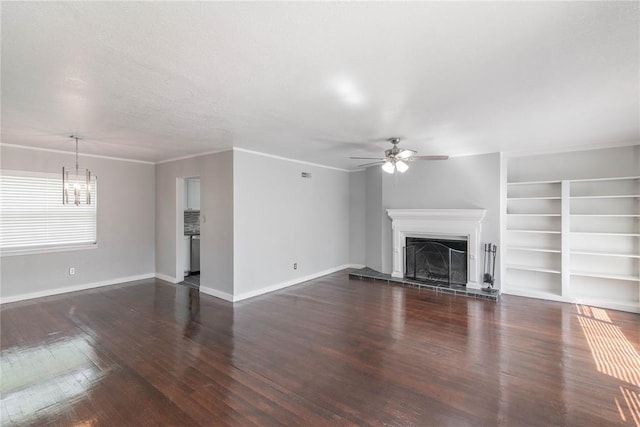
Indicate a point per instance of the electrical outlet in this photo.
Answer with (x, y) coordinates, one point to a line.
(295, 265)
(72, 271)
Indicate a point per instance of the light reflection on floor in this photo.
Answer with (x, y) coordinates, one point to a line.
(615, 356)
(38, 379)
(632, 399)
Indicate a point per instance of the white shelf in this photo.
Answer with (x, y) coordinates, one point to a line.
(535, 198)
(620, 178)
(614, 304)
(608, 215)
(532, 268)
(617, 196)
(535, 231)
(607, 276)
(605, 254)
(533, 182)
(598, 233)
(532, 214)
(523, 291)
(528, 249)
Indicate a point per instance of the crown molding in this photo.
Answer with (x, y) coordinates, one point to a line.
(537, 152)
(191, 156)
(96, 156)
(258, 153)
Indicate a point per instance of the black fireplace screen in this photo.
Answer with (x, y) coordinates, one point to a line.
(436, 260)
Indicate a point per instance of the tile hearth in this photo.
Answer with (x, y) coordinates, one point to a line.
(370, 274)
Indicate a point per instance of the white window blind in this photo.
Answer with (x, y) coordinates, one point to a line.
(32, 215)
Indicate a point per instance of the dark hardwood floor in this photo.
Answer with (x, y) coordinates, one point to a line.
(330, 351)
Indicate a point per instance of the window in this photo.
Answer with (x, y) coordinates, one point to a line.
(33, 218)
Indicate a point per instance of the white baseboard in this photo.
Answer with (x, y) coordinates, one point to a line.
(166, 278)
(209, 291)
(216, 293)
(355, 266)
(75, 288)
(630, 306)
(278, 286)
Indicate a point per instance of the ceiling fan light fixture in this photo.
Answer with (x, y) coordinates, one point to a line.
(401, 166)
(396, 158)
(404, 154)
(389, 167)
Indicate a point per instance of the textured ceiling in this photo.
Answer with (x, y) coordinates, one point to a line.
(319, 81)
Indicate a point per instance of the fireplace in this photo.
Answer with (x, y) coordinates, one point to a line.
(437, 261)
(442, 225)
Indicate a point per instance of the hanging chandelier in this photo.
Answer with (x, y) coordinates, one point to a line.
(76, 183)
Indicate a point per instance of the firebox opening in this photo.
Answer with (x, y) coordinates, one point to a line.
(440, 261)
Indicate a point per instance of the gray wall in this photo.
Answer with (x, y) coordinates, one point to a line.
(125, 227)
(373, 220)
(216, 205)
(282, 219)
(357, 217)
(276, 217)
(471, 182)
(603, 163)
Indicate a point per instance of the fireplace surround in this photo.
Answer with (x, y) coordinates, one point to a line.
(449, 224)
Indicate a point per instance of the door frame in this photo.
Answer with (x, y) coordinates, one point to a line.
(181, 183)
(180, 207)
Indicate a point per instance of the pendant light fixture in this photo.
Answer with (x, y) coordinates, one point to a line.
(76, 183)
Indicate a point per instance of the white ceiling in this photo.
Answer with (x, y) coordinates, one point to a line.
(320, 81)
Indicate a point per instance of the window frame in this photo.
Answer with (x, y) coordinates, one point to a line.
(53, 247)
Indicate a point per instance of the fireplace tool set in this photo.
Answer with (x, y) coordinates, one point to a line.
(489, 276)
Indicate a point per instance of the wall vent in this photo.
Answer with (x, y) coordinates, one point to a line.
(306, 174)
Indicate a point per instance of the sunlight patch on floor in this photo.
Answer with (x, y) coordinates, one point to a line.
(614, 355)
(632, 398)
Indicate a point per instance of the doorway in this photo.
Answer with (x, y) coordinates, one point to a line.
(188, 231)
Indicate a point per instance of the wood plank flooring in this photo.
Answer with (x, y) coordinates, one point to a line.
(332, 351)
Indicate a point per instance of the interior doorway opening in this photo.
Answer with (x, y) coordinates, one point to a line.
(188, 233)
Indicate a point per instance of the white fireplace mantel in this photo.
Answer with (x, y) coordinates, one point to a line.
(443, 223)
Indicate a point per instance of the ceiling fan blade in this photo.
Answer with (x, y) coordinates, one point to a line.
(429, 158)
(405, 153)
(367, 158)
(371, 164)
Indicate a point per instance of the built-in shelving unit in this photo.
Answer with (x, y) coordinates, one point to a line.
(534, 220)
(575, 241)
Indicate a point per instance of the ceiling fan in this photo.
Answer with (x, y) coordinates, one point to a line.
(396, 158)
